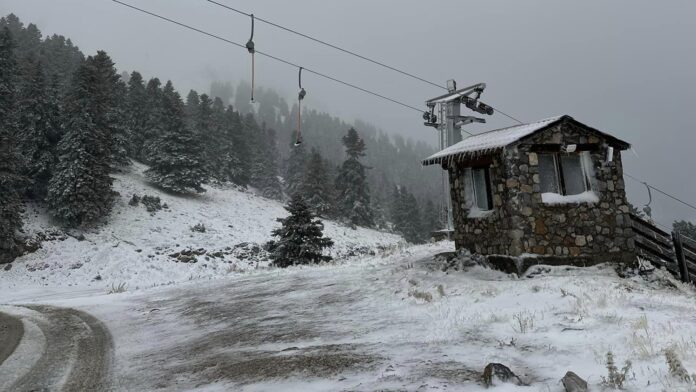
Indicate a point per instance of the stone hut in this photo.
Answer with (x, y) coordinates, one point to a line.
(547, 192)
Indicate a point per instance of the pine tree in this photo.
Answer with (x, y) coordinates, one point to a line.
(137, 114)
(430, 219)
(353, 193)
(406, 215)
(300, 238)
(79, 191)
(176, 164)
(295, 170)
(38, 128)
(316, 187)
(264, 169)
(221, 150)
(154, 123)
(10, 204)
(121, 131)
(240, 161)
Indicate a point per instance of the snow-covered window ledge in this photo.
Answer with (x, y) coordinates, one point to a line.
(477, 213)
(588, 197)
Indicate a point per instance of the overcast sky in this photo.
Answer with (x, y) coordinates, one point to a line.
(625, 67)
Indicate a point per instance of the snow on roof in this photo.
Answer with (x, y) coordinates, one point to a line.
(491, 140)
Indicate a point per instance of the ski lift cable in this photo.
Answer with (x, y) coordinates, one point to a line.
(268, 55)
(661, 191)
(381, 64)
(317, 40)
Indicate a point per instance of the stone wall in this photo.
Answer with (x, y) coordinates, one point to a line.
(521, 223)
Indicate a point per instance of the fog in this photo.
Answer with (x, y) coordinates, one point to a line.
(624, 67)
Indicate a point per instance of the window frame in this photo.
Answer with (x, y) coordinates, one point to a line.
(488, 190)
(560, 175)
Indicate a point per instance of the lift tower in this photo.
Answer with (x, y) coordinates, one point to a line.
(444, 114)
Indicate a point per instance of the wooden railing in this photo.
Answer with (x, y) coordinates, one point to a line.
(674, 251)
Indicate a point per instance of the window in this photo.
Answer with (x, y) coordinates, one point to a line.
(479, 188)
(563, 174)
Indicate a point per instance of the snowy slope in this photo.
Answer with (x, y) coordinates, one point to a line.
(134, 247)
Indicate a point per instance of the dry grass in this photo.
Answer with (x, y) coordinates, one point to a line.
(120, 288)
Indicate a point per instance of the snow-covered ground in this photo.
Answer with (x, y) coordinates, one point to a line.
(392, 320)
(396, 322)
(134, 246)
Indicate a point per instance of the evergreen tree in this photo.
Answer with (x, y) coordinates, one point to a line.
(10, 204)
(300, 238)
(137, 114)
(121, 131)
(38, 128)
(685, 228)
(316, 187)
(430, 219)
(406, 215)
(353, 193)
(223, 163)
(240, 160)
(264, 170)
(176, 164)
(79, 191)
(154, 124)
(295, 169)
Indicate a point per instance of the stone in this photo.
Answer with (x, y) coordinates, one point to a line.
(526, 211)
(573, 383)
(574, 251)
(580, 240)
(512, 183)
(499, 372)
(8, 267)
(540, 227)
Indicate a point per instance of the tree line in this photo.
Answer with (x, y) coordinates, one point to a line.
(67, 122)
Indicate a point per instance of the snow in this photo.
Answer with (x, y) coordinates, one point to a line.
(488, 141)
(553, 319)
(555, 198)
(134, 247)
(475, 213)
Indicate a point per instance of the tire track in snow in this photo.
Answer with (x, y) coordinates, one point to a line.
(76, 356)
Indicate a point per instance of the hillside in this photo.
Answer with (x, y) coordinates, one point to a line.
(134, 246)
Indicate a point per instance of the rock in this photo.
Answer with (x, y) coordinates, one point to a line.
(8, 267)
(98, 277)
(76, 234)
(500, 372)
(187, 258)
(573, 383)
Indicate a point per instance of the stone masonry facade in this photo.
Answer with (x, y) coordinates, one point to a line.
(520, 224)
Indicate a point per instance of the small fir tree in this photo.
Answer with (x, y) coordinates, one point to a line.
(353, 192)
(300, 238)
(176, 164)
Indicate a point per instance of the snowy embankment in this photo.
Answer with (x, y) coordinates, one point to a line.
(134, 247)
